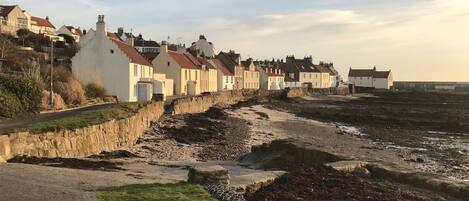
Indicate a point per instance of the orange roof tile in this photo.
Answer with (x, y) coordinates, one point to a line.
(42, 22)
(131, 52)
(219, 64)
(185, 60)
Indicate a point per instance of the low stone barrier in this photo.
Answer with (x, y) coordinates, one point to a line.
(202, 103)
(82, 142)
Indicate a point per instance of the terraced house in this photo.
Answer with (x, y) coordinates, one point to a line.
(232, 61)
(271, 75)
(181, 67)
(371, 78)
(251, 76)
(108, 61)
(302, 72)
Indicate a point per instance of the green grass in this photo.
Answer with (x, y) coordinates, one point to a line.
(82, 119)
(155, 192)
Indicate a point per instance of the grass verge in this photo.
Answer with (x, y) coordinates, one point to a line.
(82, 119)
(155, 192)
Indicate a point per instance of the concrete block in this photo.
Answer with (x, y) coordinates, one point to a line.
(209, 175)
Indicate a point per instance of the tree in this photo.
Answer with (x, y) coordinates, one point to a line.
(23, 33)
(6, 46)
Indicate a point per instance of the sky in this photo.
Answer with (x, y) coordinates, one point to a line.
(419, 40)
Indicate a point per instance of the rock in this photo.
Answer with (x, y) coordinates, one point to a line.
(347, 166)
(362, 172)
(2, 160)
(209, 175)
(420, 160)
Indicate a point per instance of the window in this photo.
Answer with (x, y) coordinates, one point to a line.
(169, 63)
(195, 75)
(135, 70)
(190, 75)
(142, 71)
(310, 76)
(135, 90)
(185, 71)
(304, 75)
(112, 51)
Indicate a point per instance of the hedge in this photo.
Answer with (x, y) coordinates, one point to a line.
(10, 106)
(27, 91)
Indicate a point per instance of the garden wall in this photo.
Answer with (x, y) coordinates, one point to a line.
(82, 142)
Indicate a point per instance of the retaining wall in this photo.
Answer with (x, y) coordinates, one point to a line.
(199, 104)
(82, 142)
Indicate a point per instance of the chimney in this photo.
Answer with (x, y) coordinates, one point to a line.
(309, 59)
(374, 68)
(120, 31)
(47, 18)
(84, 31)
(164, 47)
(290, 59)
(101, 26)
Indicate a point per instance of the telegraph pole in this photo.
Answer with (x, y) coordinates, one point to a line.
(52, 72)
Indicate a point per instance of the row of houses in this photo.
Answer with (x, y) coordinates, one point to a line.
(133, 68)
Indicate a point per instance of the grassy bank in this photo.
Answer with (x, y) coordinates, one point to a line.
(155, 192)
(82, 119)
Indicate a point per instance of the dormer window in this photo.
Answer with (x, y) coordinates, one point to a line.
(112, 51)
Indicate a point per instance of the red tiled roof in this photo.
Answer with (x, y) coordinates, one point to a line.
(131, 52)
(42, 22)
(150, 56)
(219, 64)
(207, 63)
(75, 31)
(185, 60)
(322, 69)
(113, 36)
(5, 10)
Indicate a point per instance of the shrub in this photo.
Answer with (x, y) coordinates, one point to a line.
(10, 106)
(71, 91)
(27, 91)
(69, 88)
(59, 103)
(94, 90)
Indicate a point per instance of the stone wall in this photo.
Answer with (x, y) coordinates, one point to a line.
(82, 142)
(202, 103)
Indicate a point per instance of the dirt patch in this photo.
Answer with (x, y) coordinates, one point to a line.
(72, 163)
(212, 135)
(324, 183)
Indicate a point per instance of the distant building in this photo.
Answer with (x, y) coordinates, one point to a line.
(181, 67)
(42, 26)
(203, 48)
(232, 61)
(75, 33)
(12, 18)
(304, 73)
(271, 75)
(225, 80)
(431, 86)
(371, 78)
(335, 76)
(208, 75)
(146, 46)
(251, 76)
(106, 60)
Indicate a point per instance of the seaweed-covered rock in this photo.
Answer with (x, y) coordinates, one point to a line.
(209, 175)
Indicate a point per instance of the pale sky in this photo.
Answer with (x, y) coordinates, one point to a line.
(417, 39)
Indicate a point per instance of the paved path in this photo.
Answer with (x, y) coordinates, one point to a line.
(8, 125)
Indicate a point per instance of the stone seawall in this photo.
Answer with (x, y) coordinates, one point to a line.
(82, 142)
(202, 103)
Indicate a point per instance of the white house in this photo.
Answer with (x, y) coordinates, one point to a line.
(75, 33)
(302, 72)
(225, 78)
(371, 78)
(118, 67)
(203, 48)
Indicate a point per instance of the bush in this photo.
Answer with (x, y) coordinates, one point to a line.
(69, 88)
(27, 91)
(94, 90)
(59, 103)
(71, 91)
(10, 106)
